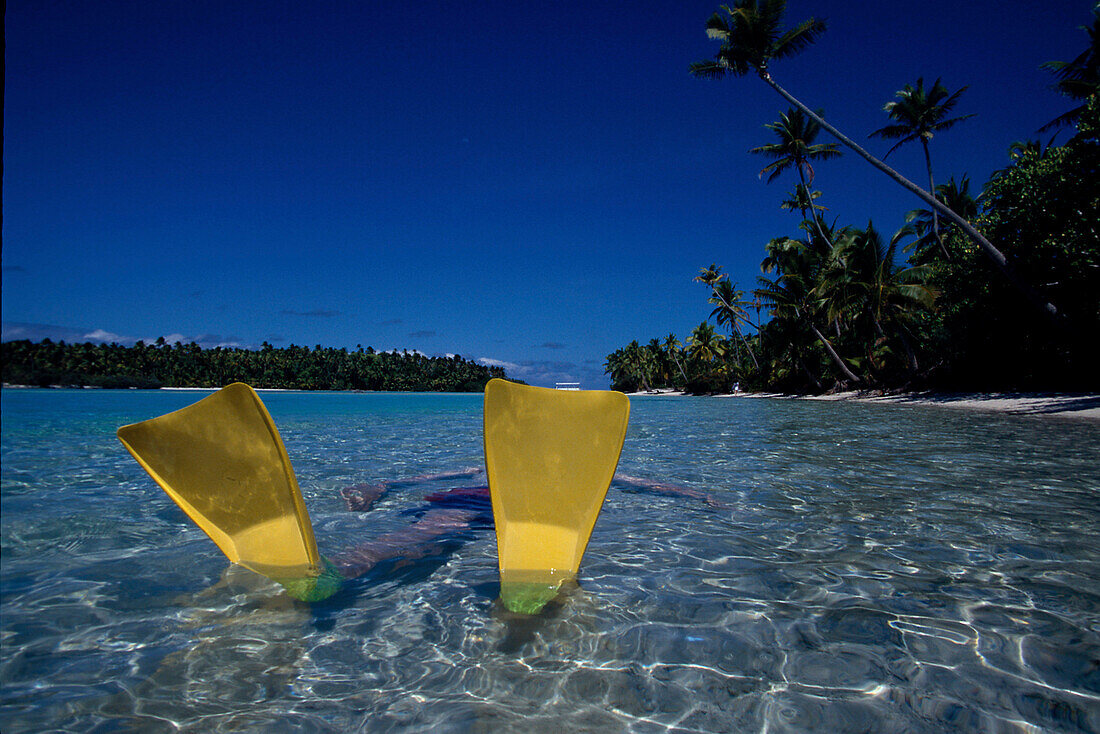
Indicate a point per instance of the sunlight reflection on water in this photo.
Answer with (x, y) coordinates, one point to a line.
(866, 568)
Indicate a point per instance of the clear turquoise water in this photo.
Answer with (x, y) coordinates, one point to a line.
(878, 568)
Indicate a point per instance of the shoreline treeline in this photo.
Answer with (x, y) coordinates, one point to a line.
(48, 363)
(1000, 289)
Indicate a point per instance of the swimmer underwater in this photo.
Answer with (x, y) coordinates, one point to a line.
(450, 512)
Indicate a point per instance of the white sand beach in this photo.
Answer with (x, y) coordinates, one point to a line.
(1082, 406)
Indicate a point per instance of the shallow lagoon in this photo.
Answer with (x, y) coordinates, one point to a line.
(874, 568)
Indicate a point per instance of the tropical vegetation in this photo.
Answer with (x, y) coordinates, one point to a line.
(161, 364)
(919, 115)
(752, 37)
(1078, 79)
(936, 304)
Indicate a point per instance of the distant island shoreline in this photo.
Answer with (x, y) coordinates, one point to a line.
(180, 366)
(46, 388)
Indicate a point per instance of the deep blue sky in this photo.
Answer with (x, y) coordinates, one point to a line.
(533, 184)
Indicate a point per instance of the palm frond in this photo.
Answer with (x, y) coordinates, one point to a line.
(771, 150)
(1080, 78)
(774, 170)
(709, 69)
(947, 104)
(770, 12)
(891, 132)
(717, 28)
(900, 143)
(906, 230)
(798, 39)
(919, 293)
(948, 124)
(1064, 119)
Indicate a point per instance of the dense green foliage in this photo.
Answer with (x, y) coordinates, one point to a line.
(1044, 210)
(701, 367)
(188, 365)
(843, 310)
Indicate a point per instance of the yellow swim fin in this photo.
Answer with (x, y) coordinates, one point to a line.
(222, 461)
(550, 456)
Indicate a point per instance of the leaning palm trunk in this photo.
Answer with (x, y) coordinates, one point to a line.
(992, 252)
(832, 353)
(733, 326)
(749, 350)
(810, 375)
(812, 215)
(910, 355)
(935, 214)
(680, 367)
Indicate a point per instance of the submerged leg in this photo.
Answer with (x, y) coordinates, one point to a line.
(415, 541)
(451, 511)
(670, 490)
(361, 497)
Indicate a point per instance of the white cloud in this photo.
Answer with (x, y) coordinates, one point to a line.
(101, 335)
(13, 332)
(490, 362)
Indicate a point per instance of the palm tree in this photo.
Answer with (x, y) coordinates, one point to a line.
(615, 366)
(659, 362)
(796, 149)
(804, 200)
(790, 342)
(729, 304)
(864, 281)
(779, 251)
(673, 348)
(639, 364)
(1018, 152)
(730, 311)
(790, 294)
(1078, 79)
(919, 115)
(1021, 149)
(709, 275)
(918, 222)
(705, 344)
(630, 367)
(751, 39)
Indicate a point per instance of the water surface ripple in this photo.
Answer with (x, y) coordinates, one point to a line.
(869, 568)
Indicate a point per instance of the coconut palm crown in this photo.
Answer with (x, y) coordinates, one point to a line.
(918, 114)
(795, 147)
(751, 38)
